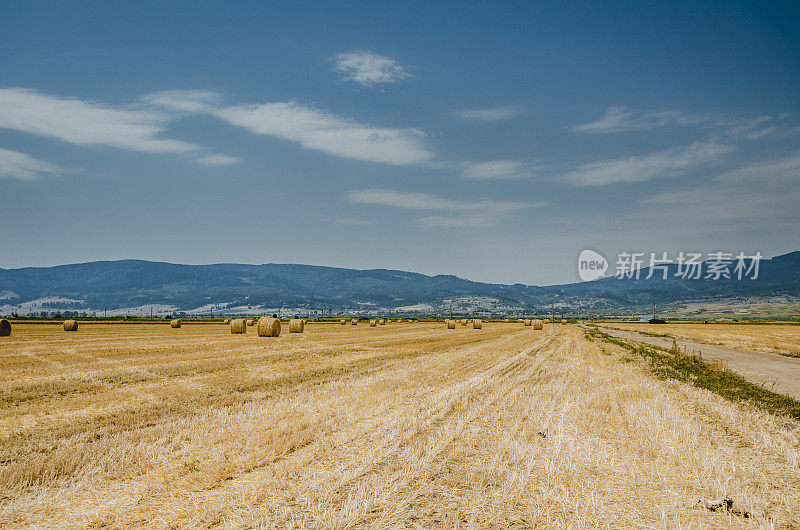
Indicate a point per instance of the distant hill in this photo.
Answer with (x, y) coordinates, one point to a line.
(122, 285)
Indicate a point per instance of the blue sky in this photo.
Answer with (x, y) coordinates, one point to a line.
(494, 141)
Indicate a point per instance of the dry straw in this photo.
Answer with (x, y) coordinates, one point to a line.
(354, 322)
(268, 327)
(451, 324)
(527, 322)
(373, 323)
(250, 322)
(342, 321)
(381, 322)
(463, 321)
(520, 321)
(5, 328)
(563, 320)
(296, 325)
(238, 326)
(477, 323)
(226, 321)
(546, 320)
(70, 325)
(175, 323)
(506, 320)
(537, 324)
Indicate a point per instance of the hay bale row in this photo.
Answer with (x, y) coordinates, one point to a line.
(70, 325)
(296, 325)
(238, 326)
(537, 324)
(268, 327)
(5, 328)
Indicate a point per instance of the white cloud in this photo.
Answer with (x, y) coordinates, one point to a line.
(784, 170)
(497, 169)
(86, 123)
(217, 160)
(667, 163)
(14, 164)
(192, 101)
(622, 119)
(368, 68)
(312, 128)
(491, 113)
(321, 131)
(460, 213)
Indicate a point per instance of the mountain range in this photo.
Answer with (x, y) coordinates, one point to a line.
(136, 286)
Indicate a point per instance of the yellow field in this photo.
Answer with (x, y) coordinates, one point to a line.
(401, 425)
(783, 339)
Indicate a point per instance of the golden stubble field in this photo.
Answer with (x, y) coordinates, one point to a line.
(783, 339)
(400, 425)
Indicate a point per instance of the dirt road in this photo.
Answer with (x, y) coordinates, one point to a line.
(778, 373)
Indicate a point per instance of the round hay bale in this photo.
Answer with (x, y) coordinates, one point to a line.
(5, 328)
(373, 323)
(563, 320)
(175, 323)
(268, 327)
(226, 321)
(250, 322)
(506, 320)
(546, 320)
(451, 324)
(463, 322)
(381, 322)
(342, 321)
(354, 321)
(520, 321)
(537, 324)
(296, 325)
(70, 325)
(238, 326)
(477, 323)
(527, 322)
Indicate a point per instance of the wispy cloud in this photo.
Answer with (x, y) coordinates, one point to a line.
(490, 113)
(14, 164)
(312, 128)
(783, 170)
(347, 221)
(368, 68)
(622, 119)
(758, 195)
(189, 101)
(498, 169)
(217, 160)
(667, 163)
(86, 123)
(458, 213)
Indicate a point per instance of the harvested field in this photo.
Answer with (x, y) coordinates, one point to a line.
(408, 425)
(783, 339)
